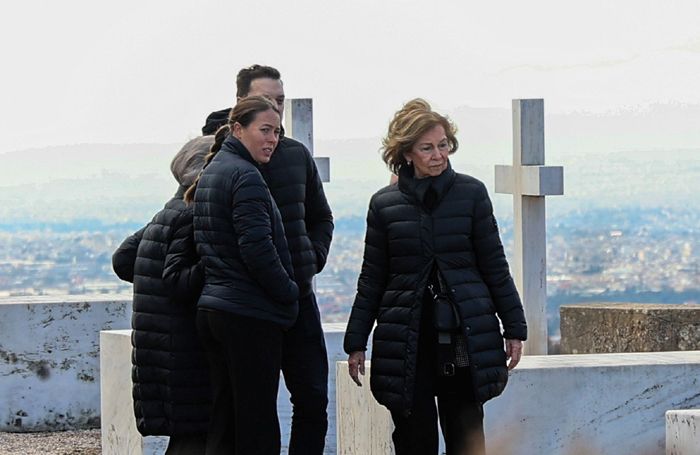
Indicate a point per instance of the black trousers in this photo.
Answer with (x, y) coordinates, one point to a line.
(245, 356)
(305, 369)
(461, 417)
(187, 445)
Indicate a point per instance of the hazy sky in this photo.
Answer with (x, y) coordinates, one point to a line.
(150, 71)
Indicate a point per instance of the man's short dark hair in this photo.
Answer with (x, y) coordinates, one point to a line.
(247, 75)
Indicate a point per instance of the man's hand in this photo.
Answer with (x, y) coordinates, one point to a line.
(356, 366)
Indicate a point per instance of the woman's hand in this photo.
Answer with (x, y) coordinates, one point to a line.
(514, 350)
(356, 366)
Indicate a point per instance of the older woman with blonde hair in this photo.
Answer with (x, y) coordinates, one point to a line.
(435, 280)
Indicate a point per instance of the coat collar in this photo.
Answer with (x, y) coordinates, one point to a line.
(233, 145)
(428, 191)
(180, 193)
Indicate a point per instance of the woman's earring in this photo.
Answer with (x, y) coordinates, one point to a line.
(408, 162)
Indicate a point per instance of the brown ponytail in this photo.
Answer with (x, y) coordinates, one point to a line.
(219, 137)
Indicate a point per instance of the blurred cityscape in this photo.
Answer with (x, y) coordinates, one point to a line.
(635, 255)
(627, 228)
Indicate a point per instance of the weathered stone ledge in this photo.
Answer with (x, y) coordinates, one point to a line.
(49, 359)
(629, 327)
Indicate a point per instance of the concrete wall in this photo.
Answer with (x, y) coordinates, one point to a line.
(555, 405)
(50, 365)
(588, 328)
(49, 359)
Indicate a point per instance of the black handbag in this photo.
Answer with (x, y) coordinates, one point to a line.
(447, 323)
(445, 315)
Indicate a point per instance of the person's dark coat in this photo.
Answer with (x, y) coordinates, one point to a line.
(295, 185)
(405, 240)
(170, 373)
(240, 238)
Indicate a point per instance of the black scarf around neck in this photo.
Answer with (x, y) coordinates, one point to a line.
(428, 191)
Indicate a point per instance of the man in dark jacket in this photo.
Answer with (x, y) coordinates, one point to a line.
(294, 183)
(170, 375)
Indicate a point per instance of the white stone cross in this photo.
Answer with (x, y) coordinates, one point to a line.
(529, 181)
(299, 124)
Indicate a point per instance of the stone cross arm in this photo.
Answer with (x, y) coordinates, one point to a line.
(530, 180)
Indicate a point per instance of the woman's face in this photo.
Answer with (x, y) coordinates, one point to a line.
(260, 137)
(429, 153)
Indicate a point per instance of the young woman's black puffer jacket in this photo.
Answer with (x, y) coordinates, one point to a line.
(240, 238)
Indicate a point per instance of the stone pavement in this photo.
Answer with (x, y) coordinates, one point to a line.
(84, 442)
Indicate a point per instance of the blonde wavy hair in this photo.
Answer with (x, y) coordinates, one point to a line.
(411, 122)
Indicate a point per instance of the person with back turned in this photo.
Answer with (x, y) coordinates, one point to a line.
(170, 374)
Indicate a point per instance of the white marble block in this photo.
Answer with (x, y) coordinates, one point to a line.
(49, 365)
(683, 432)
(554, 405)
(363, 426)
(119, 433)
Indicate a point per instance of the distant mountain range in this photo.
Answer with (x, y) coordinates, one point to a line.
(648, 158)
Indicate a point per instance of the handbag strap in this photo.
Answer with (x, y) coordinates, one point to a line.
(441, 285)
(441, 282)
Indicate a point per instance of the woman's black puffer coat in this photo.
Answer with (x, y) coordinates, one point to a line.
(240, 238)
(169, 366)
(404, 241)
(296, 187)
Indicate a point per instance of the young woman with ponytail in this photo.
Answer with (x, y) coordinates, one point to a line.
(249, 296)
